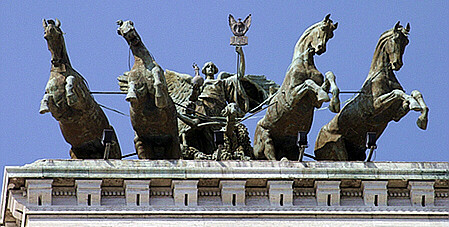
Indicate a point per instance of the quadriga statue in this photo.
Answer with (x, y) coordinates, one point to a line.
(153, 113)
(304, 88)
(68, 98)
(383, 100)
(213, 104)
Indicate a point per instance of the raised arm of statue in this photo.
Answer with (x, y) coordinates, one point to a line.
(196, 68)
(241, 69)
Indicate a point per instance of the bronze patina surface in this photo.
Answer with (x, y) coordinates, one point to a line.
(382, 100)
(152, 111)
(304, 89)
(68, 98)
(216, 104)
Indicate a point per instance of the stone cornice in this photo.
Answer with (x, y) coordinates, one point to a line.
(237, 189)
(182, 169)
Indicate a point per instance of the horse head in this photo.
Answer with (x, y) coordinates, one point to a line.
(395, 45)
(128, 32)
(320, 33)
(55, 40)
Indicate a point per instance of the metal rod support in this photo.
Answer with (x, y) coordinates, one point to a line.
(129, 155)
(370, 155)
(108, 92)
(350, 92)
(106, 151)
(301, 152)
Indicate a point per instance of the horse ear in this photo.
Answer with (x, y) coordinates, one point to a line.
(327, 17)
(397, 26)
(335, 25)
(119, 22)
(407, 28)
(58, 23)
(44, 23)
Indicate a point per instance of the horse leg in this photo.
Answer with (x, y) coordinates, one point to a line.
(142, 148)
(384, 101)
(174, 151)
(44, 104)
(131, 95)
(71, 96)
(115, 152)
(423, 118)
(160, 97)
(334, 105)
(334, 151)
(263, 144)
(309, 85)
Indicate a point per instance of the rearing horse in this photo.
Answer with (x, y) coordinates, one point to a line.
(67, 97)
(304, 88)
(382, 100)
(153, 113)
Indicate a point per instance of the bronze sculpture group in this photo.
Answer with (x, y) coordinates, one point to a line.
(177, 116)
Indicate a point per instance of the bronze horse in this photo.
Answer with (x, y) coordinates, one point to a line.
(153, 113)
(383, 100)
(68, 98)
(304, 88)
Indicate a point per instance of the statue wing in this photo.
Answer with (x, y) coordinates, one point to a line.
(232, 22)
(257, 87)
(179, 87)
(247, 23)
(123, 82)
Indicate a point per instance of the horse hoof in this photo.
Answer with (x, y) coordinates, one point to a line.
(334, 106)
(131, 96)
(44, 109)
(422, 122)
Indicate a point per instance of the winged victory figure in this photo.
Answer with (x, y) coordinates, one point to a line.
(239, 28)
(215, 105)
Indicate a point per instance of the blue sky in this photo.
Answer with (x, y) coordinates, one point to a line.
(179, 33)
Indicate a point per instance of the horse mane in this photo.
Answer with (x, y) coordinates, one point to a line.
(380, 46)
(308, 31)
(65, 55)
